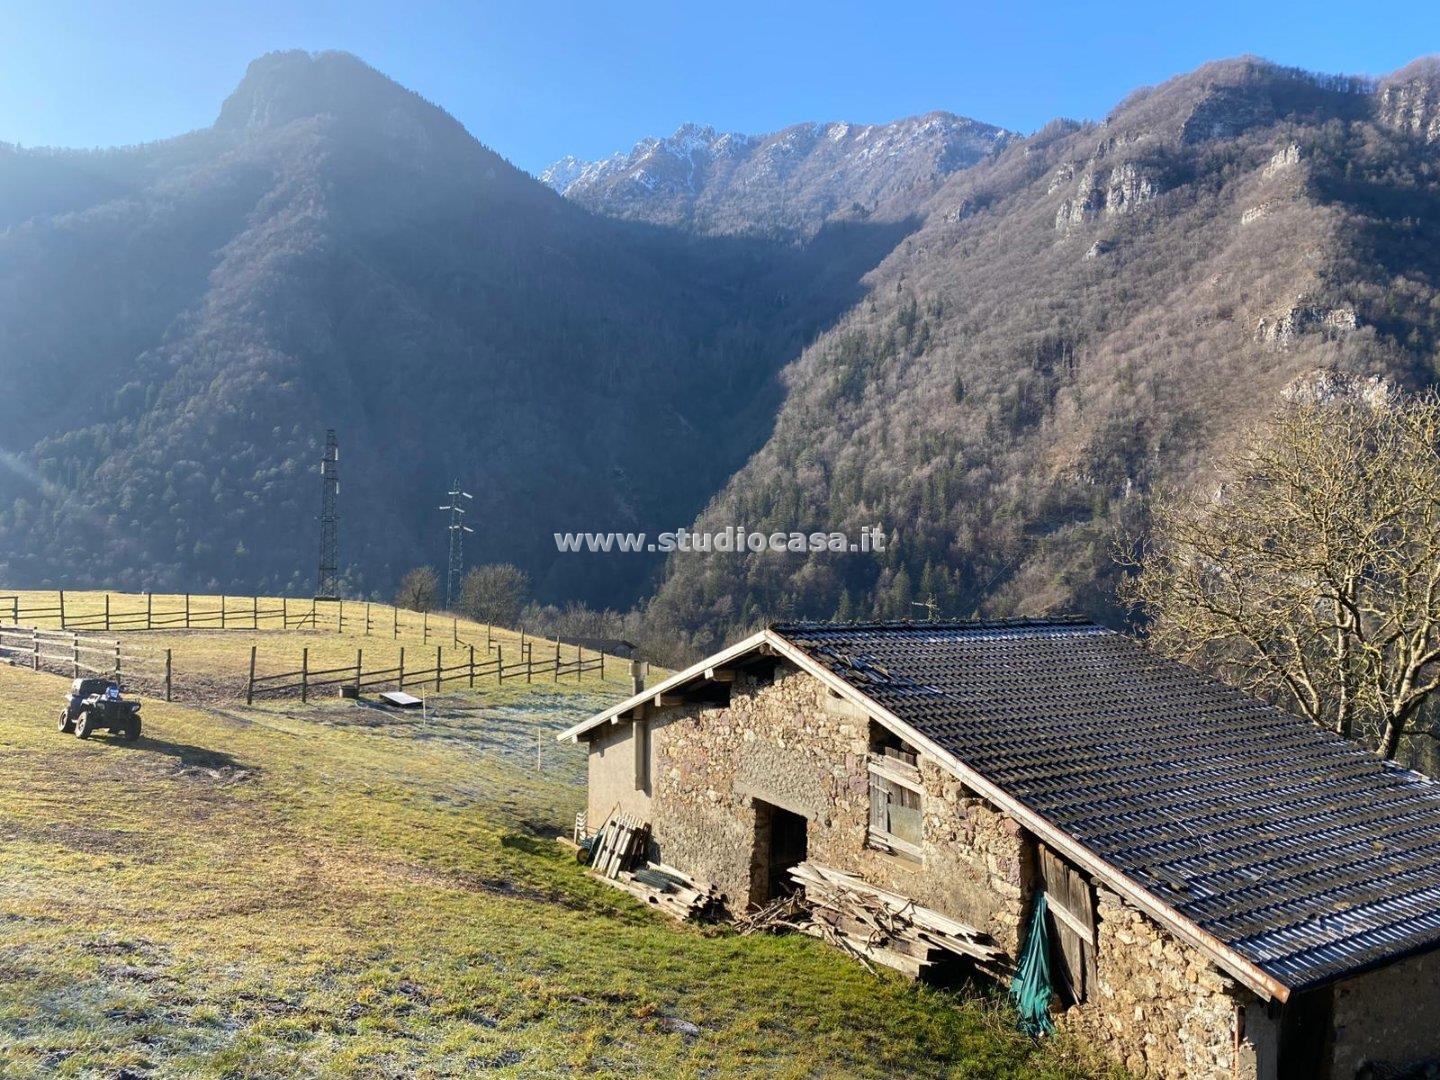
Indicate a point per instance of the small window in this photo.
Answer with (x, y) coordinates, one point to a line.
(895, 811)
(897, 821)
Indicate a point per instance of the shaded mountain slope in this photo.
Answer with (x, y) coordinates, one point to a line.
(180, 322)
(1078, 321)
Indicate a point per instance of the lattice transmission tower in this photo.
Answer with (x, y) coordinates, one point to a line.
(327, 581)
(457, 529)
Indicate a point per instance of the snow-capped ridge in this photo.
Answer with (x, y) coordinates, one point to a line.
(792, 179)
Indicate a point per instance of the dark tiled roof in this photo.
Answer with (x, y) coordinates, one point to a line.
(1298, 849)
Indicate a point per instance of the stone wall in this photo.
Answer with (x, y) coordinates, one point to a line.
(792, 744)
(1388, 1016)
(1158, 1005)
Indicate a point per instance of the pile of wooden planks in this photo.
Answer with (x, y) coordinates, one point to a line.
(667, 889)
(875, 924)
(617, 855)
(618, 846)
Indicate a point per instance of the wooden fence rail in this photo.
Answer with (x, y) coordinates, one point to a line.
(67, 652)
(235, 613)
(120, 613)
(304, 680)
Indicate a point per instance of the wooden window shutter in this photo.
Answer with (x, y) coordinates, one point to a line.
(879, 818)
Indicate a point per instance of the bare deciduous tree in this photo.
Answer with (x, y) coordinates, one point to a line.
(494, 593)
(1312, 575)
(418, 589)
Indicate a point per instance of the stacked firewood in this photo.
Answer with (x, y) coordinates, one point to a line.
(875, 924)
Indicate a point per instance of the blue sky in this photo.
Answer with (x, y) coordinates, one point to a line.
(537, 80)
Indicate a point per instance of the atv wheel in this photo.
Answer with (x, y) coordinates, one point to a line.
(132, 730)
(82, 726)
(66, 725)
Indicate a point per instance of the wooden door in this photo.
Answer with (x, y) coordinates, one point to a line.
(1070, 898)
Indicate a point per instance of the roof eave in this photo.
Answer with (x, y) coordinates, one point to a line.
(680, 678)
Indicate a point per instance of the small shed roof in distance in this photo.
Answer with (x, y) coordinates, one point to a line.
(1297, 849)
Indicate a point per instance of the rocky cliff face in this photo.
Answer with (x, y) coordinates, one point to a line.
(791, 181)
(1409, 101)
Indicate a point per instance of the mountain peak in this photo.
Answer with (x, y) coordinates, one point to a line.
(281, 87)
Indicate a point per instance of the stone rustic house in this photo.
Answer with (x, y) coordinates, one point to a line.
(1235, 892)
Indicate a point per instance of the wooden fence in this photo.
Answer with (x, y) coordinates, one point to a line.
(305, 680)
(68, 644)
(67, 652)
(231, 613)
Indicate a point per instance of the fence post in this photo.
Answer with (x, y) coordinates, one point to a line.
(367, 618)
(149, 611)
(557, 659)
(35, 647)
(304, 675)
(424, 627)
(167, 673)
(438, 666)
(285, 612)
(117, 660)
(487, 639)
(529, 660)
(500, 664)
(602, 665)
(359, 657)
(187, 611)
(472, 667)
(255, 612)
(75, 652)
(222, 611)
(15, 610)
(394, 623)
(250, 683)
(579, 664)
(340, 619)
(62, 609)
(107, 611)
(314, 616)
(402, 668)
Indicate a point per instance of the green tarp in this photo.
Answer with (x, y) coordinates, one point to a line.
(1030, 988)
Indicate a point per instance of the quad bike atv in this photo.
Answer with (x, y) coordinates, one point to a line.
(92, 706)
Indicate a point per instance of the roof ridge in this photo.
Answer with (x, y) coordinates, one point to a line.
(1035, 621)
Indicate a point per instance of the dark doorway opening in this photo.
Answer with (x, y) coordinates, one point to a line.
(780, 843)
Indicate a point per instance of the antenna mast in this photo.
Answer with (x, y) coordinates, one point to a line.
(930, 605)
(327, 582)
(457, 529)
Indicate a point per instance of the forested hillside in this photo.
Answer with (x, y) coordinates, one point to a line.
(1079, 321)
(997, 362)
(180, 323)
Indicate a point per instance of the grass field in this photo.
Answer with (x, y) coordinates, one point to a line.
(338, 891)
